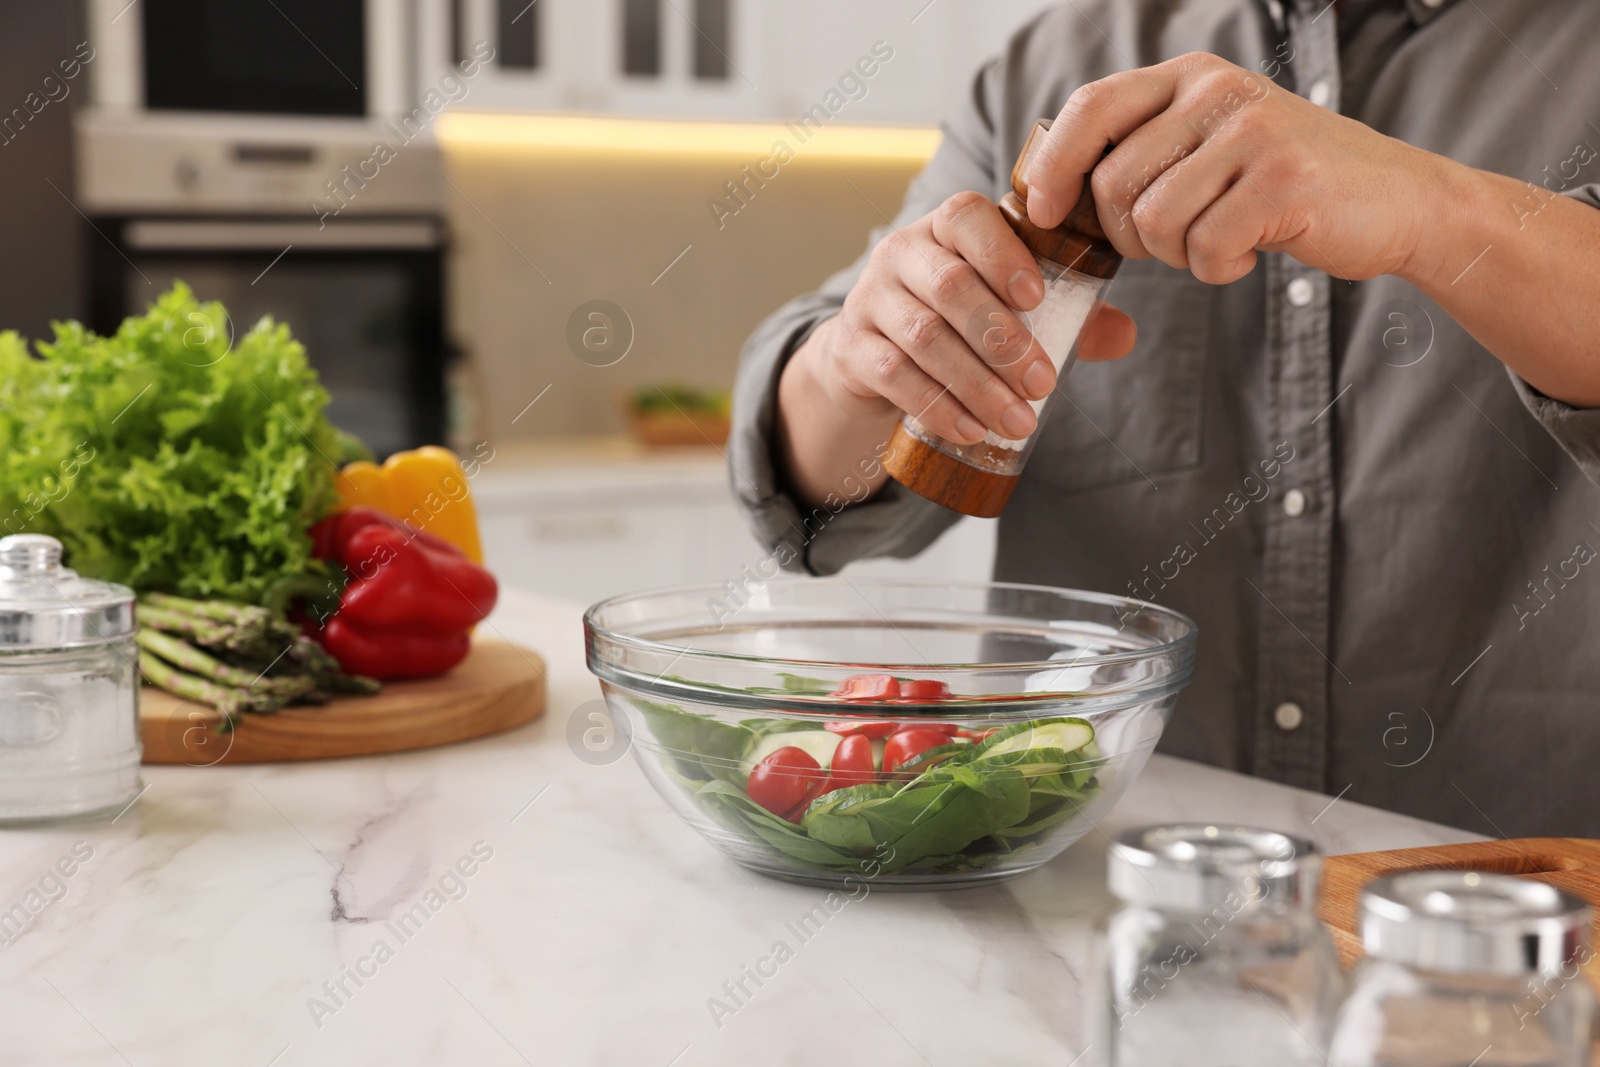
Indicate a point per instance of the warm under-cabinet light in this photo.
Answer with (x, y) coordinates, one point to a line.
(684, 137)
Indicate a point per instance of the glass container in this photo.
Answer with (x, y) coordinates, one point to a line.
(1077, 264)
(1214, 957)
(1030, 710)
(1467, 968)
(69, 688)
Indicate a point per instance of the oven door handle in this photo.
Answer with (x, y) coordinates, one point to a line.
(273, 235)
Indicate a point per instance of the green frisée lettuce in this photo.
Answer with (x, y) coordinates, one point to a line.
(173, 456)
(955, 808)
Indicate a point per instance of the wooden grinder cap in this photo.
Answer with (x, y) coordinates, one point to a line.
(1080, 241)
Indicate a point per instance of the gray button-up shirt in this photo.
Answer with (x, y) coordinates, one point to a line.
(1390, 544)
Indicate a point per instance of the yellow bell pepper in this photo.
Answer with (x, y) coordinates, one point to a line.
(426, 487)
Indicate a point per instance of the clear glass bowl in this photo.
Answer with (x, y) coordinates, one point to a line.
(1049, 701)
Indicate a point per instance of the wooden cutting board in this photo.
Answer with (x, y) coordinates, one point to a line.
(497, 687)
(1569, 863)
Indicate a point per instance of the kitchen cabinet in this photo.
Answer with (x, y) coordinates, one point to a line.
(584, 529)
(744, 59)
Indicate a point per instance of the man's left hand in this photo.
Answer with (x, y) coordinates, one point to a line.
(1213, 163)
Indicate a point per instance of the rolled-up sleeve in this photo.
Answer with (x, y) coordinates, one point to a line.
(896, 522)
(1576, 430)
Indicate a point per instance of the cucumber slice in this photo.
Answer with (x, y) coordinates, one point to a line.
(835, 818)
(931, 758)
(820, 744)
(1030, 762)
(1064, 735)
(840, 801)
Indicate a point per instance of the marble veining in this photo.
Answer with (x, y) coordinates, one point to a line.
(208, 924)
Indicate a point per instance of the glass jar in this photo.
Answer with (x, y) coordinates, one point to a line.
(69, 688)
(1467, 968)
(1215, 957)
(1078, 263)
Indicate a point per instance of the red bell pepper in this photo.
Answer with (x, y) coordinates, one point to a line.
(411, 601)
(394, 653)
(330, 536)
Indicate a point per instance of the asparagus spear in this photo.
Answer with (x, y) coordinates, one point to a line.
(192, 659)
(216, 610)
(243, 627)
(326, 670)
(191, 626)
(230, 702)
(249, 658)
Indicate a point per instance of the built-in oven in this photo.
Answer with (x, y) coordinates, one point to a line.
(262, 151)
(362, 295)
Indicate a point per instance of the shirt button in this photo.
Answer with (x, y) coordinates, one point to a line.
(1288, 715)
(1301, 292)
(1320, 93)
(1294, 503)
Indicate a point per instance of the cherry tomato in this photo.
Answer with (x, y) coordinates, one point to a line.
(868, 687)
(874, 730)
(977, 735)
(852, 762)
(908, 744)
(786, 780)
(949, 729)
(923, 689)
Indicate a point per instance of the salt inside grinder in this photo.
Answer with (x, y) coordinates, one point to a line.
(1078, 264)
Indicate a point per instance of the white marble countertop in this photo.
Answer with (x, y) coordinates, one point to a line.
(200, 927)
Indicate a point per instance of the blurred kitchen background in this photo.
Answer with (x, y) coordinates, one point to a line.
(539, 232)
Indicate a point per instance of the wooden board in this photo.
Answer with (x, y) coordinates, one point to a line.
(1569, 863)
(497, 687)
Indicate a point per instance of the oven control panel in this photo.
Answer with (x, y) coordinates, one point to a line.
(147, 163)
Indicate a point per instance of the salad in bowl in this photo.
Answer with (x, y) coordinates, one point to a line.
(910, 734)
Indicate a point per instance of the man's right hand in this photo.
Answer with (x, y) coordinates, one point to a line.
(930, 328)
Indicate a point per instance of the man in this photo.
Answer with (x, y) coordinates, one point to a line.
(1355, 437)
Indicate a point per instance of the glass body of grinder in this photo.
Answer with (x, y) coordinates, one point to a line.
(1077, 263)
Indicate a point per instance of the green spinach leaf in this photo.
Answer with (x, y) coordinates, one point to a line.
(702, 746)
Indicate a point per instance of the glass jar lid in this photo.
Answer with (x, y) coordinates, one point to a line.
(45, 605)
(1200, 866)
(1472, 922)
